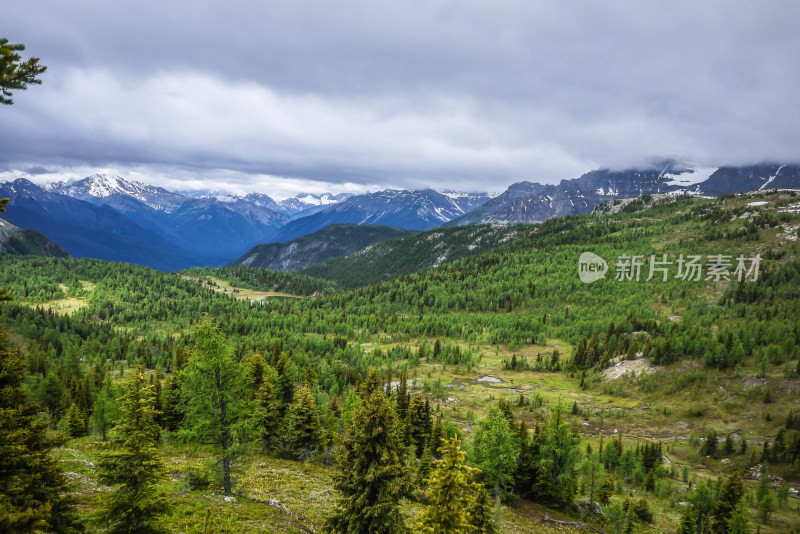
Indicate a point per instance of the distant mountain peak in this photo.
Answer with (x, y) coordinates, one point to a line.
(98, 187)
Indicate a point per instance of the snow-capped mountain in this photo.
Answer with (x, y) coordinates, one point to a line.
(534, 202)
(411, 210)
(87, 230)
(308, 203)
(211, 227)
(98, 188)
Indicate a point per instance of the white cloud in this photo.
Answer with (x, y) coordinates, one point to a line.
(459, 94)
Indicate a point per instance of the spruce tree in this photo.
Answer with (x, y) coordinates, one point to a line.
(727, 501)
(449, 494)
(372, 475)
(606, 491)
(133, 463)
(33, 489)
(216, 399)
(481, 511)
(172, 415)
(688, 523)
(424, 467)
(418, 421)
(106, 410)
(304, 431)
(268, 414)
(739, 521)
(76, 423)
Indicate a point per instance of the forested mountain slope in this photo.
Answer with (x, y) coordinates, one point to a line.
(391, 258)
(16, 240)
(330, 242)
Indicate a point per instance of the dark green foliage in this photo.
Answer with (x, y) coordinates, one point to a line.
(268, 414)
(418, 421)
(481, 514)
(215, 398)
(391, 258)
(32, 488)
(304, 431)
(106, 409)
(267, 280)
(688, 523)
(424, 467)
(76, 422)
(727, 501)
(172, 416)
(552, 459)
(606, 491)
(133, 463)
(16, 74)
(372, 475)
(311, 249)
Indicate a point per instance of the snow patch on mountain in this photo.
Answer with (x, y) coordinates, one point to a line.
(690, 177)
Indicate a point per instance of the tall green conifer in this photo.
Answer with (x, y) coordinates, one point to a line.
(33, 490)
(372, 476)
(133, 463)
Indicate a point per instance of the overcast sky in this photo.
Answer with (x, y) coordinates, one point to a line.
(290, 96)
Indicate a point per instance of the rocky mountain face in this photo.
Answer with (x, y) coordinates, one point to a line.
(16, 240)
(308, 250)
(411, 210)
(534, 202)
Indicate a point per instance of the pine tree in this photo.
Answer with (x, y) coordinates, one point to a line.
(172, 415)
(132, 462)
(304, 431)
(606, 491)
(688, 521)
(106, 410)
(418, 421)
(449, 494)
(436, 438)
(424, 467)
(215, 398)
(593, 472)
(728, 499)
(29, 476)
(496, 449)
(14, 72)
(372, 474)
(268, 414)
(481, 511)
(402, 396)
(739, 522)
(766, 505)
(76, 423)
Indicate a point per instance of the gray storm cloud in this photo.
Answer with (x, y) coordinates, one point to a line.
(468, 95)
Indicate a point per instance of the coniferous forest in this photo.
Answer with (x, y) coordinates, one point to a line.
(493, 393)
